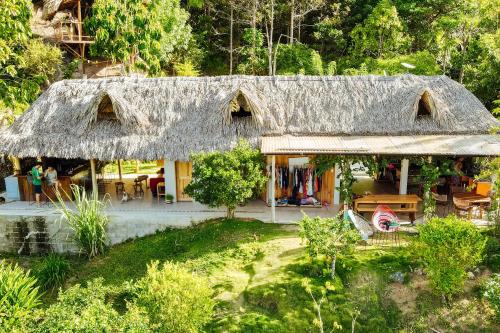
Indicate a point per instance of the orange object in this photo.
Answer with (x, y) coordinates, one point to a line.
(483, 188)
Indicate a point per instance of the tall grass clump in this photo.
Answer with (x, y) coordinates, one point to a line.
(87, 220)
(52, 271)
(18, 297)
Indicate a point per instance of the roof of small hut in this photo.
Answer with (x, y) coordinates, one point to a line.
(173, 116)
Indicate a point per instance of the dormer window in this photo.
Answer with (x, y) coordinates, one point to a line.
(105, 110)
(243, 106)
(425, 106)
(239, 108)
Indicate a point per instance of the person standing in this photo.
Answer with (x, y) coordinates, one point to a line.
(36, 176)
(51, 178)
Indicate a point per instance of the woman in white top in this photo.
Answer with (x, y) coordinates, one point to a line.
(51, 178)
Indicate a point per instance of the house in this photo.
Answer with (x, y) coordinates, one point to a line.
(288, 118)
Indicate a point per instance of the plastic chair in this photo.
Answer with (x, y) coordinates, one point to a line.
(160, 190)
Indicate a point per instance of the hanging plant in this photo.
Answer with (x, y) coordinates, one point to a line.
(429, 176)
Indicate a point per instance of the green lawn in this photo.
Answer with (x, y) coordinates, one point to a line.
(257, 270)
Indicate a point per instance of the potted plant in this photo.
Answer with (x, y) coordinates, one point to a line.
(169, 198)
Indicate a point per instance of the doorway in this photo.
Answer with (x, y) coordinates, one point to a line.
(183, 171)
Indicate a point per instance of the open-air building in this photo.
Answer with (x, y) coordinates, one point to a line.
(291, 119)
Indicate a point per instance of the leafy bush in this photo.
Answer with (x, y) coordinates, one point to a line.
(175, 299)
(328, 236)
(18, 296)
(448, 247)
(52, 271)
(88, 221)
(227, 178)
(84, 309)
(492, 293)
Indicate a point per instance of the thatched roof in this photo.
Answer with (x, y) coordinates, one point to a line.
(172, 117)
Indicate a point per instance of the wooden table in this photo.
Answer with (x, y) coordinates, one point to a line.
(399, 203)
(474, 199)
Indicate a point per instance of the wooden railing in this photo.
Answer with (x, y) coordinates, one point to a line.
(71, 31)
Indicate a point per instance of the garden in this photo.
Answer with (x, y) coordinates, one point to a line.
(247, 276)
(236, 275)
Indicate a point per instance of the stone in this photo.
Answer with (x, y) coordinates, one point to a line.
(470, 275)
(397, 277)
(419, 271)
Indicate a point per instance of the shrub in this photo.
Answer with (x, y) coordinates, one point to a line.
(52, 271)
(227, 178)
(88, 221)
(175, 299)
(18, 296)
(492, 293)
(448, 247)
(84, 309)
(328, 236)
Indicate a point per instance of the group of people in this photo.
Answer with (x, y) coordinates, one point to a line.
(38, 176)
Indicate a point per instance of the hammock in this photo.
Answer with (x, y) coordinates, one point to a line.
(385, 220)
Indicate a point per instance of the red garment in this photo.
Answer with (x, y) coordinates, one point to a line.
(154, 181)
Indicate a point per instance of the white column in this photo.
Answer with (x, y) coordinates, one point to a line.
(94, 177)
(403, 178)
(170, 179)
(273, 185)
(337, 179)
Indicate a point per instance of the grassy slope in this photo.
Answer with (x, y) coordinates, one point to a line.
(257, 269)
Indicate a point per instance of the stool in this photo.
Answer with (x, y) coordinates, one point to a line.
(138, 189)
(119, 187)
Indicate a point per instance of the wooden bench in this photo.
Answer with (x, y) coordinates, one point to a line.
(399, 203)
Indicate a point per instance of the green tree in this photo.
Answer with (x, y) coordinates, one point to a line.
(142, 34)
(448, 247)
(328, 237)
(26, 65)
(253, 53)
(298, 59)
(381, 34)
(227, 178)
(175, 300)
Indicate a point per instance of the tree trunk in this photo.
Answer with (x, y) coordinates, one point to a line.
(292, 27)
(230, 212)
(254, 27)
(334, 262)
(270, 39)
(231, 41)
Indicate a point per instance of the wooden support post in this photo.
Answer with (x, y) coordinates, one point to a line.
(94, 177)
(403, 178)
(80, 32)
(273, 186)
(336, 183)
(119, 169)
(16, 163)
(137, 162)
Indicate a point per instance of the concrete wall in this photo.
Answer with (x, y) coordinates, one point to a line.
(58, 235)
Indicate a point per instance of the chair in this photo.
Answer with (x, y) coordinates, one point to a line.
(160, 190)
(461, 207)
(119, 187)
(441, 200)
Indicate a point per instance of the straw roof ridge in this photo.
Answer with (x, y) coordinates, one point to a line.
(170, 117)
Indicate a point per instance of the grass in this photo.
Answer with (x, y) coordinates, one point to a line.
(257, 269)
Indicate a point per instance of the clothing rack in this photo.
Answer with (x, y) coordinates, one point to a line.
(297, 182)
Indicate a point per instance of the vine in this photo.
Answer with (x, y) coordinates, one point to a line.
(371, 164)
(429, 175)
